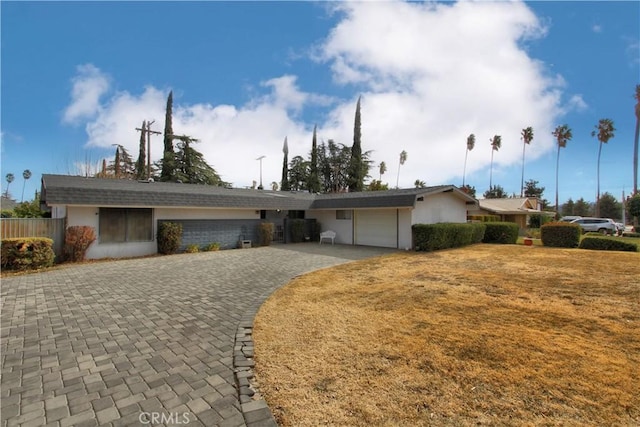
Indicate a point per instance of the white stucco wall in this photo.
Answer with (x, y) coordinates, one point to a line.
(90, 216)
(443, 207)
(328, 221)
(404, 229)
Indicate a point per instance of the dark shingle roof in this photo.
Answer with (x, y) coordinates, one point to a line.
(77, 190)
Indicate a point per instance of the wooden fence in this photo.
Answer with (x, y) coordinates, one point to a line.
(35, 227)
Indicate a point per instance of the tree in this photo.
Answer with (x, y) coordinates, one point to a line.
(357, 168)
(469, 190)
(25, 175)
(191, 166)
(531, 189)
(633, 204)
(142, 153)
(582, 208)
(610, 207)
(495, 192)
(298, 173)
(382, 169)
(563, 135)
(314, 178)
(9, 177)
(471, 142)
(377, 185)
(496, 142)
(29, 209)
(527, 137)
(419, 183)
(169, 157)
(568, 208)
(333, 162)
(403, 158)
(635, 142)
(274, 186)
(122, 165)
(604, 132)
(284, 181)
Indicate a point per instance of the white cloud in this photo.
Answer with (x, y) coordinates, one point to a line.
(596, 28)
(577, 103)
(436, 73)
(88, 86)
(429, 75)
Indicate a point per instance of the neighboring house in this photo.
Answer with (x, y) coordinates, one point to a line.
(126, 213)
(7, 204)
(515, 209)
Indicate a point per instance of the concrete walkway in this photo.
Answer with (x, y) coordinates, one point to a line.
(140, 342)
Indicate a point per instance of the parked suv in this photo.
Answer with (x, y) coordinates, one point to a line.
(600, 225)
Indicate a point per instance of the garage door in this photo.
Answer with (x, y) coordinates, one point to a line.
(377, 228)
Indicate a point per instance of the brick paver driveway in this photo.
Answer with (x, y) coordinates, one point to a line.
(113, 343)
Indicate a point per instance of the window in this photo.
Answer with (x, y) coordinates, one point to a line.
(343, 214)
(125, 225)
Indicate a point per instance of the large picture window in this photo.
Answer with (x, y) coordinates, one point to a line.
(125, 225)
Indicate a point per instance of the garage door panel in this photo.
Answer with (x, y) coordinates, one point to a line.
(377, 228)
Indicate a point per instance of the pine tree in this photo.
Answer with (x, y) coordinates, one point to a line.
(169, 157)
(314, 179)
(142, 154)
(284, 183)
(357, 170)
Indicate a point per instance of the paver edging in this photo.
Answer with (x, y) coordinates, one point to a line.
(254, 408)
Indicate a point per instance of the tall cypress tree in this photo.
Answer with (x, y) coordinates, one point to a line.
(142, 154)
(356, 166)
(314, 179)
(284, 183)
(169, 157)
(116, 163)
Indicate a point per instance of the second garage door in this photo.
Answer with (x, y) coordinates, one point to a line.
(377, 228)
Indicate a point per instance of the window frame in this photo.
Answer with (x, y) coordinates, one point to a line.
(118, 225)
(344, 214)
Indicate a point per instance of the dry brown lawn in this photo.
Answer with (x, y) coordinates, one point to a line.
(484, 335)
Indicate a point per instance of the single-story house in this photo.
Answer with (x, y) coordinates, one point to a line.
(126, 213)
(514, 209)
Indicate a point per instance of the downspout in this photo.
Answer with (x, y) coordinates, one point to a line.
(397, 228)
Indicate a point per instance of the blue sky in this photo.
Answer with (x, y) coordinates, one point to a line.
(78, 77)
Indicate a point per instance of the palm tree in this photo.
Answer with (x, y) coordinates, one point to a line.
(496, 142)
(471, 142)
(419, 183)
(527, 137)
(403, 158)
(635, 142)
(604, 131)
(383, 169)
(26, 175)
(562, 134)
(10, 179)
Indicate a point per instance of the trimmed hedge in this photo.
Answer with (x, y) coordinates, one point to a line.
(560, 235)
(433, 237)
(501, 232)
(169, 237)
(604, 244)
(27, 253)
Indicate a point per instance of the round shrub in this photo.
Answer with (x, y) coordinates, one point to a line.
(560, 235)
(501, 232)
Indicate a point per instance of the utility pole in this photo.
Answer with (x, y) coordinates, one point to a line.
(260, 159)
(148, 132)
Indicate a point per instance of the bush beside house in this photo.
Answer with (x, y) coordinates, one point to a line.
(432, 237)
(560, 235)
(27, 253)
(169, 237)
(501, 233)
